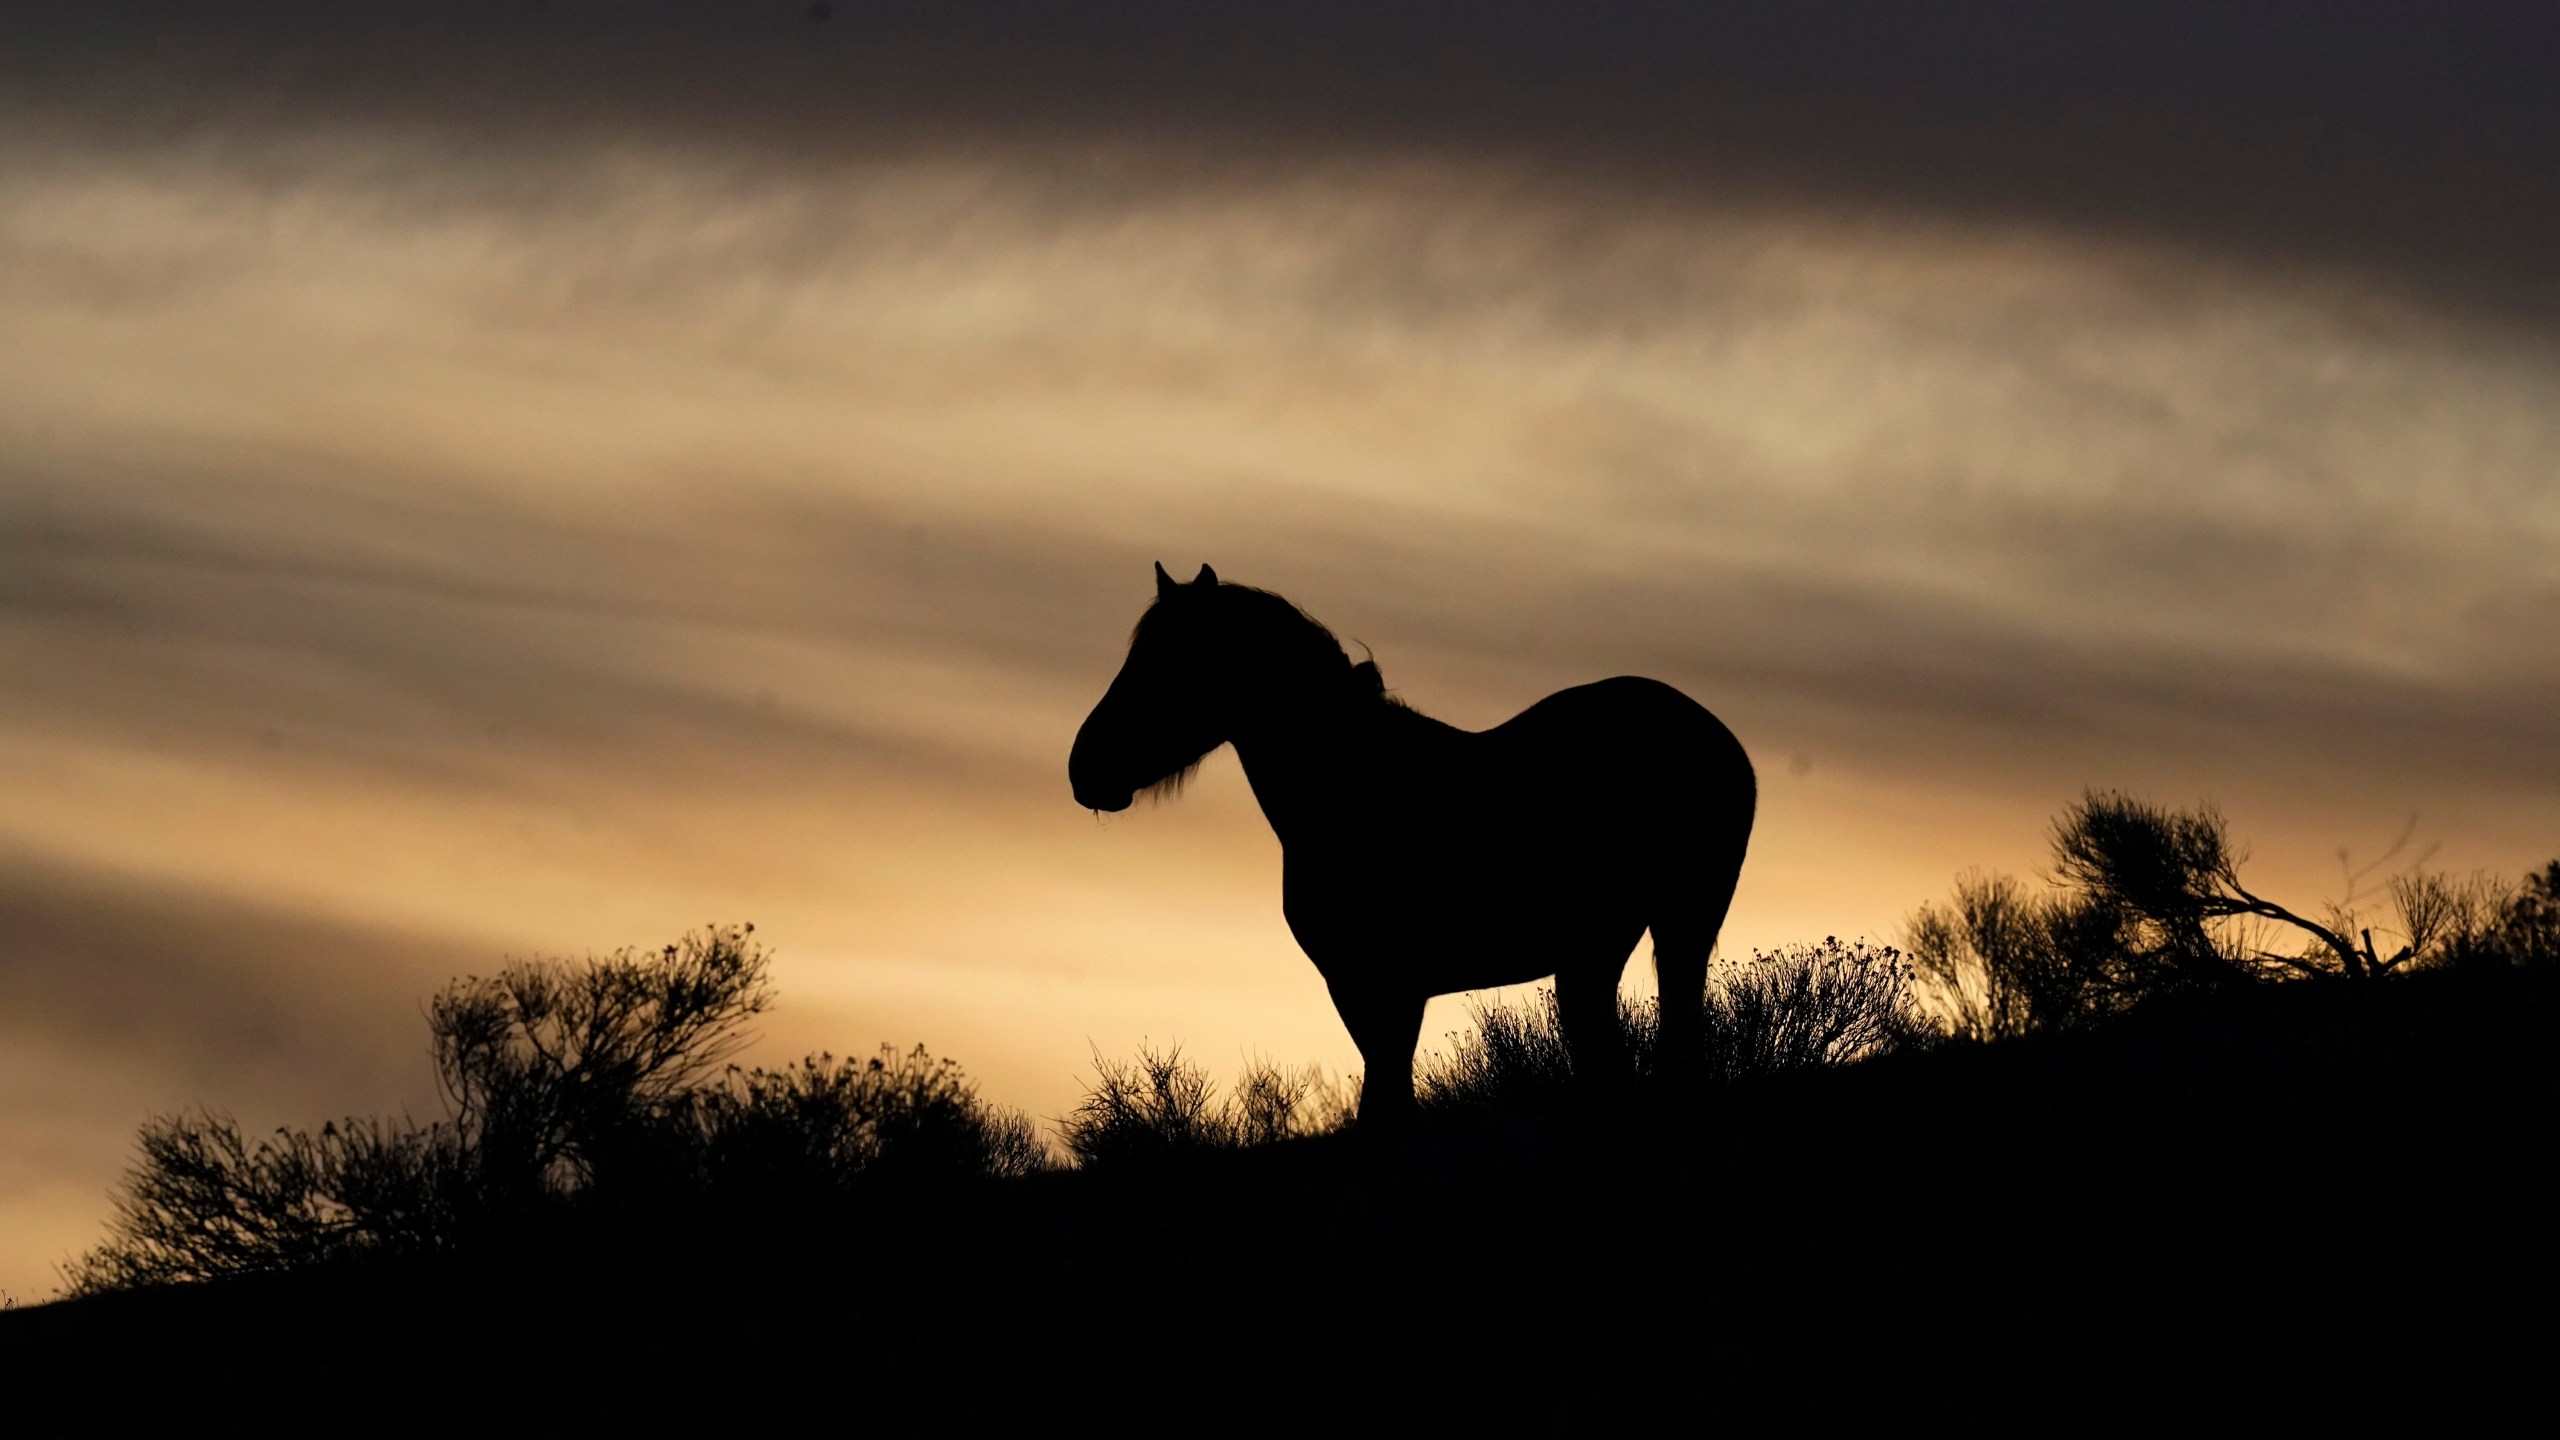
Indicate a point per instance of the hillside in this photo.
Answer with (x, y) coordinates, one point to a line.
(2307, 1203)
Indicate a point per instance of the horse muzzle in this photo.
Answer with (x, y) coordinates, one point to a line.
(1111, 804)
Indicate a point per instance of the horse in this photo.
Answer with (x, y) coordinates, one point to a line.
(1419, 859)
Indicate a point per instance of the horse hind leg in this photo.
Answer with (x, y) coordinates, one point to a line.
(1587, 1010)
(1680, 974)
(1684, 937)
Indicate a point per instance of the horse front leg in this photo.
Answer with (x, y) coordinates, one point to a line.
(1385, 1024)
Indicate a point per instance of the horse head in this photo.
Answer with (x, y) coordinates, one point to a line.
(1168, 705)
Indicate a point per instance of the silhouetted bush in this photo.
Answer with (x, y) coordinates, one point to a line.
(818, 1129)
(204, 1202)
(1811, 1005)
(554, 1072)
(1796, 1008)
(1162, 1107)
(1272, 1103)
(568, 1086)
(1514, 1056)
(2002, 962)
(2147, 902)
(2485, 922)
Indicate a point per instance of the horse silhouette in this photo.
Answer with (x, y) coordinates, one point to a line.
(1421, 859)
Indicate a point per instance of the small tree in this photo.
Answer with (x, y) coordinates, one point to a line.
(552, 1070)
(2177, 872)
(2148, 901)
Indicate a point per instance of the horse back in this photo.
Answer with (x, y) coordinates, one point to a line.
(1612, 778)
(1626, 733)
(1563, 831)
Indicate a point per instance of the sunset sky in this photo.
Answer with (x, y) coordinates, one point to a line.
(486, 480)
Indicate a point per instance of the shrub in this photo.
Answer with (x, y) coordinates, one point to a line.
(2000, 962)
(818, 1129)
(2485, 921)
(1273, 1104)
(205, 1203)
(1512, 1057)
(1798, 1007)
(1162, 1107)
(1807, 1006)
(568, 1086)
(2148, 902)
(552, 1070)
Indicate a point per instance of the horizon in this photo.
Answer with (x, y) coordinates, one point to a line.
(531, 482)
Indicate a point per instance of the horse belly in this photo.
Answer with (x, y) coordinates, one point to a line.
(1438, 933)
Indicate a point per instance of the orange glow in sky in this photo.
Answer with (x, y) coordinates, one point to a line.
(417, 550)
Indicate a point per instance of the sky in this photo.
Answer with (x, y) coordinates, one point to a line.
(491, 480)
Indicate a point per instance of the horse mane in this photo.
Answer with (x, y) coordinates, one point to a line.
(1272, 625)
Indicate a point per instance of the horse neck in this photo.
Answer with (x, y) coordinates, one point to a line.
(1310, 758)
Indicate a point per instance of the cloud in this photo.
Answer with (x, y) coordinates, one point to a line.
(2351, 133)
(122, 999)
(224, 1000)
(511, 472)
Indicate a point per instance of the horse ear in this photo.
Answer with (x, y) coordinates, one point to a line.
(1206, 576)
(1164, 582)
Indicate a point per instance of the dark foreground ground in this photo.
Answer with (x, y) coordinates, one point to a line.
(2312, 1206)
